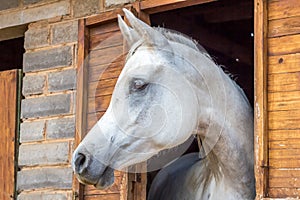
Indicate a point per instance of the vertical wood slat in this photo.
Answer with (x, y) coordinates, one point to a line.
(8, 132)
(81, 98)
(260, 92)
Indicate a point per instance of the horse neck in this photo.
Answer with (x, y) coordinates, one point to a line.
(225, 122)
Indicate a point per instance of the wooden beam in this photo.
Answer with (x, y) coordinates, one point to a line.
(81, 97)
(260, 98)
(155, 6)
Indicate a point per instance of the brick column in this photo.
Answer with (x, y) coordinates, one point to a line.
(47, 111)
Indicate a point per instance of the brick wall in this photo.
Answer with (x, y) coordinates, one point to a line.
(47, 111)
(49, 90)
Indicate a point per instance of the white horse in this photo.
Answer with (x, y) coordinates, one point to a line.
(169, 90)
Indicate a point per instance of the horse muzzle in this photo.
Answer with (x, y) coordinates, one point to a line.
(91, 171)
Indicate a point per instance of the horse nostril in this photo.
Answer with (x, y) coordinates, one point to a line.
(80, 165)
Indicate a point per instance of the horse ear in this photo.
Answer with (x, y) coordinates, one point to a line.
(128, 33)
(144, 31)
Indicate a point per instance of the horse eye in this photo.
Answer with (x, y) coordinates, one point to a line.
(139, 85)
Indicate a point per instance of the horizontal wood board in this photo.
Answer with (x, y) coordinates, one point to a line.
(105, 62)
(284, 98)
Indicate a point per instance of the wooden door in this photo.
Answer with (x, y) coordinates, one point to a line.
(9, 123)
(101, 59)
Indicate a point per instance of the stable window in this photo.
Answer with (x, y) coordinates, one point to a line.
(224, 28)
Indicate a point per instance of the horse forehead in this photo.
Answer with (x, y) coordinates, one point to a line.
(145, 62)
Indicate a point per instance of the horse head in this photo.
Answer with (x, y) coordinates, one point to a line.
(153, 107)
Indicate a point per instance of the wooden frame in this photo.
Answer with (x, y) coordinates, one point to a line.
(143, 9)
(260, 99)
(81, 96)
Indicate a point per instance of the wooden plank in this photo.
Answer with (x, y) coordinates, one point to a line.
(105, 40)
(288, 153)
(284, 163)
(81, 95)
(284, 173)
(98, 104)
(284, 120)
(104, 28)
(286, 26)
(155, 6)
(260, 98)
(284, 193)
(284, 82)
(284, 63)
(106, 71)
(284, 45)
(276, 135)
(284, 182)
(283, 9)
(8, 128)
(103, 197)
(285, 144)
(103, 87)
(283, 100)
(106, 56)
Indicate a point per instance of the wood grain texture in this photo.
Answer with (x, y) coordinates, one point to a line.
(105, 62)
(8, 128)
(81, 96)
(284, 63)
(283, 120)
(286, 100)
(286, 26)
(283, 9)
(284, 45)
(284, 82)
(260, 98)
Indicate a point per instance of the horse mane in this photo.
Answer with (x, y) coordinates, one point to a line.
(181, 38)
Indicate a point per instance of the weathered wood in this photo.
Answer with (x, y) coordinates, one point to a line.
(286, 26)
(81, 96)
(260, 98)
(105, 56)
(285, 144)
(106, 40)
(284, 182)
(284, 173)
(103, 197)
(98, 104)
(283, 9)
(286, 153)
(284, 63)
(284, 163)
(284, 45)
(284, 192)
(102, 87)
(287, 119)
(109, 71)
(155, 6)
(8, 128)
(284, 82)
(104, 28)
(275, 135)
(283, 100)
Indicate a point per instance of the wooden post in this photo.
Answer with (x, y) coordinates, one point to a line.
(260, 99)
